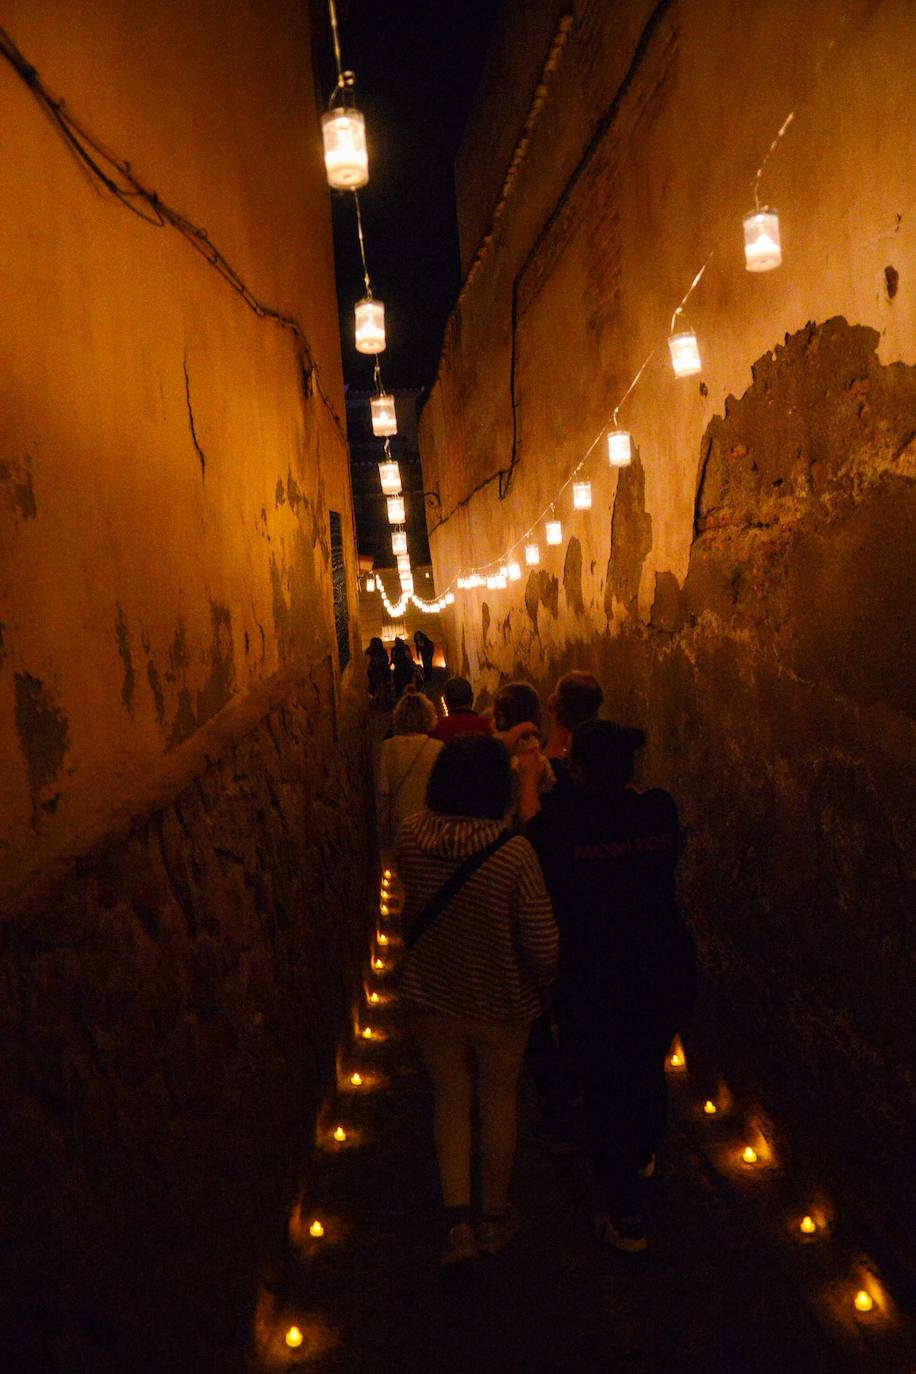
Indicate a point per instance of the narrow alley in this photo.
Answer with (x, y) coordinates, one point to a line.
(482, 433)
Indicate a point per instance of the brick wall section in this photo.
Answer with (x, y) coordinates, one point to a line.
(169, 1024)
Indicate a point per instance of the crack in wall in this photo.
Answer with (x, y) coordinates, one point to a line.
(187, 393)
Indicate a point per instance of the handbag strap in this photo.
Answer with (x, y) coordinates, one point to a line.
(452, 887)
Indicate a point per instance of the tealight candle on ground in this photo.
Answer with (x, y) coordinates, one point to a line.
(677, 1060)
(808, 1225)
(368, 1033)
(294, 1338)
(382, 937)
(864, 1302)
(340, 1134)
(316, 1229)
(378, 965)
(709, 1107)
(749, 1154)
(387, 873)
(384, 909)
(356, 1079)
(374, 997)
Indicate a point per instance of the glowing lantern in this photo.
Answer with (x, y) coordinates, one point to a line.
(514, 572)
(340, 1134)
(356, 1079)
(316, 1229)
(864, 1302)
(384, 417)
(553, 532)
(396, 512)
(762, 251)
(345, 157)
(449, 598)
(619, 449)
(390, 477)
(495, 582)
(370, 325)
(709, 1107)
(399, 541)
(370, 584)
(406, 583)
(807, 1225)
(582, 495)
(749, 1154)
(294, 1338)
(532, 555)
(685, 354)
(403, 562)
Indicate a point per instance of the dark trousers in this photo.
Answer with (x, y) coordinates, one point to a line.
(622, 1064)
(552, 1058)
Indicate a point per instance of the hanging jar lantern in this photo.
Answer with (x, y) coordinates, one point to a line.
(685, 354)
(396, 512)
(403, 562)
(553, 532)
(582, 495)
(346, 160)
(370, 584)
(384, 416)
(370, 325)
(619, 449)
(398, 541)
(532, 555)
(762, 250)
(514, 572)
(406, 583)
(390, 476)
(449, 598)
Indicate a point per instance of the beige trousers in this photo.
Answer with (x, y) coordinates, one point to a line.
(464, 1055)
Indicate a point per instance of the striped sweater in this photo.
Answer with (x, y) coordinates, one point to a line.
(492, 952)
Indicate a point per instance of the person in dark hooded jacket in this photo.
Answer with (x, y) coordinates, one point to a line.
(609, 855)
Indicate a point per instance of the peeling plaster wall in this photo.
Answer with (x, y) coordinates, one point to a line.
(745, 588)
(185, 838)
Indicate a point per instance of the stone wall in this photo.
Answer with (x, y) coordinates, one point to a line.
(185, 844)
(745, 588)
(170, 1020)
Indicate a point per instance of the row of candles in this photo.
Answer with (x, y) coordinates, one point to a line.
(748, 1158)
(355, 1080)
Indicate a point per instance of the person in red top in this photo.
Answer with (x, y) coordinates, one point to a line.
(462, 719)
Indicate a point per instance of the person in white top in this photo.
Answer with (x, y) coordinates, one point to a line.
(405, 764)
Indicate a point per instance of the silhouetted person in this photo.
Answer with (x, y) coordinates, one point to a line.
(517, 721)
(425, 648)
(378, 670)
(403, 666)
(576, 698)
(609, 855)
(475, 978)
(462, 719)
(405, 763)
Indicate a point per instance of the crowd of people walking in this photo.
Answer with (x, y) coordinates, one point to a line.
(542, 927)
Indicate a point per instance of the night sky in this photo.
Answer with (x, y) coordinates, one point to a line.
(417, 63)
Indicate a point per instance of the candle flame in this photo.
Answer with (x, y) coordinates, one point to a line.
(374, 997)
(356, 1079)
(808, 1225)
(368, 1033)
(316, 1229)
(340, 1133)
(749, 1154)
(677, 1060)
(709, 1107)
(294, 1337)
(864, 1301)
(382, 938)
(383, 909)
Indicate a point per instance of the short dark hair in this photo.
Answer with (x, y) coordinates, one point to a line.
(472, 776)
(606, 753)
(579, 697)
(458, 692)
(514, 703)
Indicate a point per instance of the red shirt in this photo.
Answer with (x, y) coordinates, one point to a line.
(462, 721)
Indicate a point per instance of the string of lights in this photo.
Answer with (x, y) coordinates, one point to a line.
(117, 176)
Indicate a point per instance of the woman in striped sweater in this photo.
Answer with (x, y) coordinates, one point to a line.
(475, 979)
